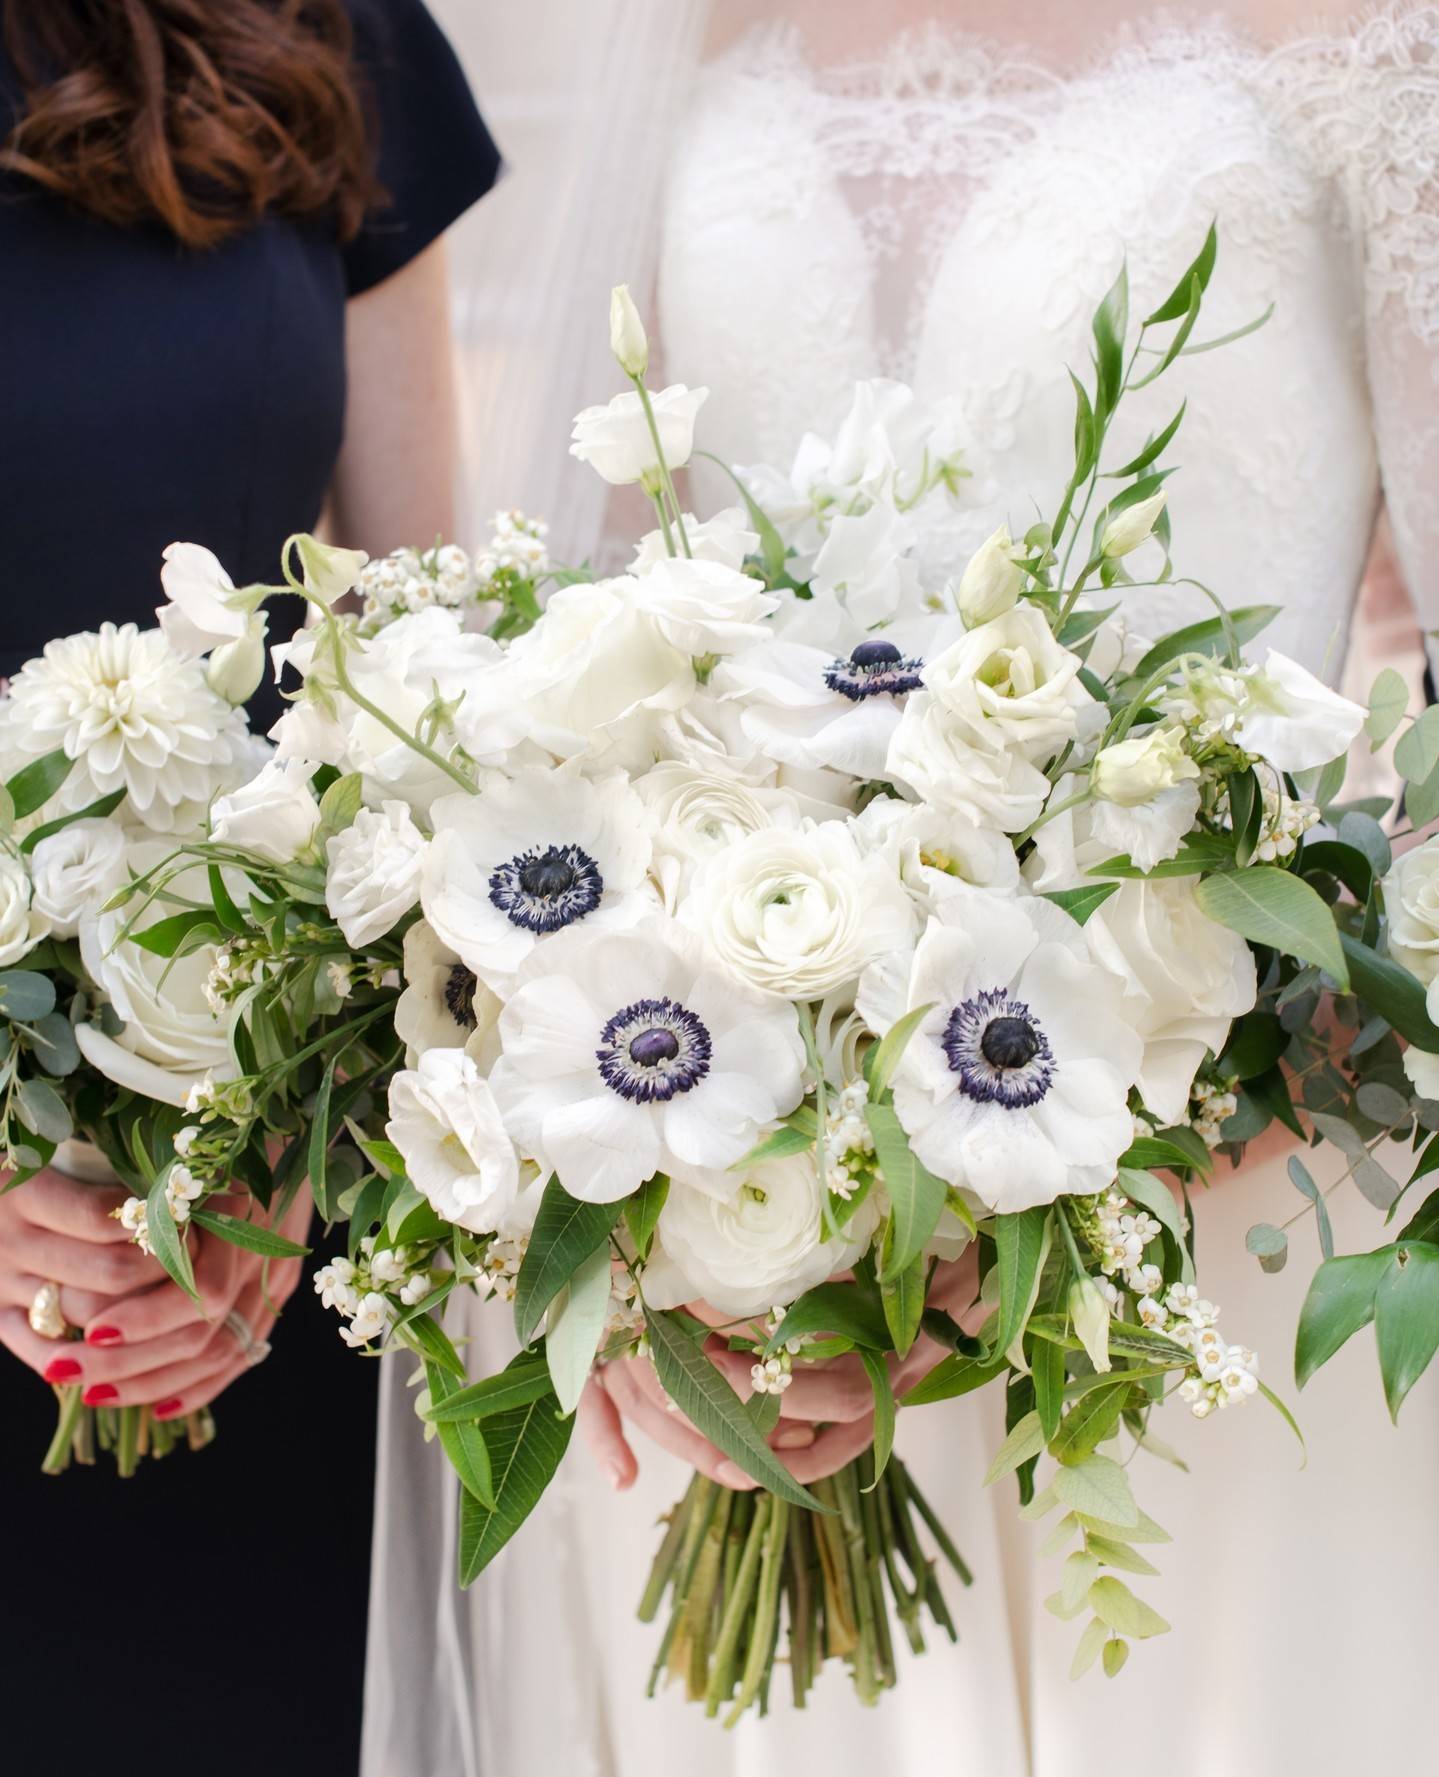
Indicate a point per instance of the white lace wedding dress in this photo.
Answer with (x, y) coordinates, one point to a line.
(918, 202)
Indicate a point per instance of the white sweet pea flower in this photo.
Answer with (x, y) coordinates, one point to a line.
(615, 440)
(991, 582)
(704, 607)
(199, 616)
(1013, 686)
(373, 875)
(1294, 720)
(529, 856)
(765, 1244)
(328, 571)
(726, 538)
(865, 564)
(273, 817)
(1138, 768)
(698, 814)
(933, 754)
(625, 1054)
(1131, 527)
(798, 913)
(885, 446)
(627, 333)
(444, 1005)
(935, 853)
(22, 924)
(1015, 1086)
(75, 871)
(444, 1120)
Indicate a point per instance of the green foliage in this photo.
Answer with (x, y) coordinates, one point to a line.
(565, 1233)
(525, 1445)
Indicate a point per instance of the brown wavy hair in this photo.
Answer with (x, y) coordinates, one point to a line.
(201, 115)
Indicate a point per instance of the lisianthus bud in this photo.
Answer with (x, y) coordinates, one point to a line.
(1089, 1316)
(1136, 770)
(329, 573)
(236, 668)
(627, 333)
(1128, 529)
(990, 584)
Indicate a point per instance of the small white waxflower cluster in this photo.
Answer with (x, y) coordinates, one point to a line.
(848, 1144)
(408, 580)
(517, 548)
(239, 963)
(1211, 702)
(229, 1099)
(1224, 1375)
(369, 1291)
(341, 978)
(501, 1262)
(1286, 820)
(773, 1375)
(182, 1189)
(625, 1317)
(1121, 1234)
(1211, 1105)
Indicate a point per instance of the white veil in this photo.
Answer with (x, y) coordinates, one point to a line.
(581, 96)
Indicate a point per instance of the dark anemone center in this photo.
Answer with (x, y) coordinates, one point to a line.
(874, 653)
(460, 987)
(651, 1047)
(1009, 1042)
(550, 874)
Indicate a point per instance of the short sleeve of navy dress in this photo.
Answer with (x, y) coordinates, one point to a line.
(149, 393)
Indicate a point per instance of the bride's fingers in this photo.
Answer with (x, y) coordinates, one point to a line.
(669, 1429)
(838, 1390)
(601, 1428)
(832, 1449)
(18, 1290)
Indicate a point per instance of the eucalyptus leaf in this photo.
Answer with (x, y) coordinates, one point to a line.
(43, 1111)
(1416, 752)
(1392, 992)
(1270, 1245)
(26, 995)
(1388, 701)
(1302, 1180)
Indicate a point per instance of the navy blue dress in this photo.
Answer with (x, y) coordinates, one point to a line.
(209, 1614)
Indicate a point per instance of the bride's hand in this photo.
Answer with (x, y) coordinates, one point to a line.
(826, 1413)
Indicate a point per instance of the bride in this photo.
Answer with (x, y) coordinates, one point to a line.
(824, 191)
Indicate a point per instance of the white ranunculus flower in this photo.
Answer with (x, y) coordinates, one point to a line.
(1131, 527)
(529, 856)
(1411, 901)
(991, 582)
(933, 754)
(744, 1253)
(934, 853)
(444, 1120)
(273, 817)
(704, 607)
(22, 924)
(597, 677)
(615, 440)
(1138, 768)
(625, 1054)
(133, 715)
(726, 538)
(1294, 720)
(75, 871)
(373, 874)
(1013, 686)
(699, 813)
(1015, 1087)
(798, 912)
(444, 1005)
(865, 564)
(172, 1040)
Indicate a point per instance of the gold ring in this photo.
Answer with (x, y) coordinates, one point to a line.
(45, 1316)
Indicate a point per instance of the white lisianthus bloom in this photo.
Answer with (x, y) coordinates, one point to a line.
(273, 817)
(1013, 686)
(75, 871)
(865, 564)
(444, 1005)
(1293, 719)
(934, 853)
(765, 1244)
(1411, 901)
(373, 874)
(444, 1120)
(625, 1054)
(1422, 1069)
(934, 755)
(1131, 527)
(705, 607)
(133, 715)
(1138, 768)
(22, 924)
(991, 582)
(698, 813)
(1149, 832)
(627, 333)
(1015, 1087)
(615, 440)
(596, 676)
(726, 538)
(529, 856)
(798, 913)
(172, 1040)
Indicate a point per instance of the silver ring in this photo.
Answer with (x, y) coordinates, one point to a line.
(255, 1350)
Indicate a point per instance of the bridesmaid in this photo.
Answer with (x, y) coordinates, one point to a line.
(224, 312)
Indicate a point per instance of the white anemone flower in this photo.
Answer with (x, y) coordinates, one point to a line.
(1015, 1086)
(624, 1054)
(134, 716)
(443, 1005)
(529, 856)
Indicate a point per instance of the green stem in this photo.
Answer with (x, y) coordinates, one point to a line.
(737, 1607)
(57, 1457)
(1055, 808)
(665, 475)
(766, 1605)
(664, 1562)
(347, 685)
(664, 519)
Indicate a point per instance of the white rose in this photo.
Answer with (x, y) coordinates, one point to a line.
(933, 754)
(726, 538)
(444, 1120)
(1013, 685)
(627, 333)
(22, 925)
(991, 582)
(1128, 529)
(1138, 768)
(172, 1040)
(373, 874)
(615, 440)
(766, 1244)
(273, 817)
(705, 607)
(699, 814)
(75, 871)
(1411, 900)
(798, 913)
(1294, 720)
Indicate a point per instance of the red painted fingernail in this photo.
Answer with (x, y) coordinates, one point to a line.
(99, 1393)
(166, 1409)
(62, 1369)
(104, 1336)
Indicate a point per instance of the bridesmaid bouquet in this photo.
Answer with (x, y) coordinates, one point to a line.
(774, 955)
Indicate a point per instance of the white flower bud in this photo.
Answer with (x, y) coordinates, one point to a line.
(1135, 770)
(991, 583)
(1128, 529)
(627, 333)
(236, 668)
(328, 572)
(1089, 1316)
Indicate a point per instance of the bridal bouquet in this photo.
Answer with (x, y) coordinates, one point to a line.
(779, 954)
